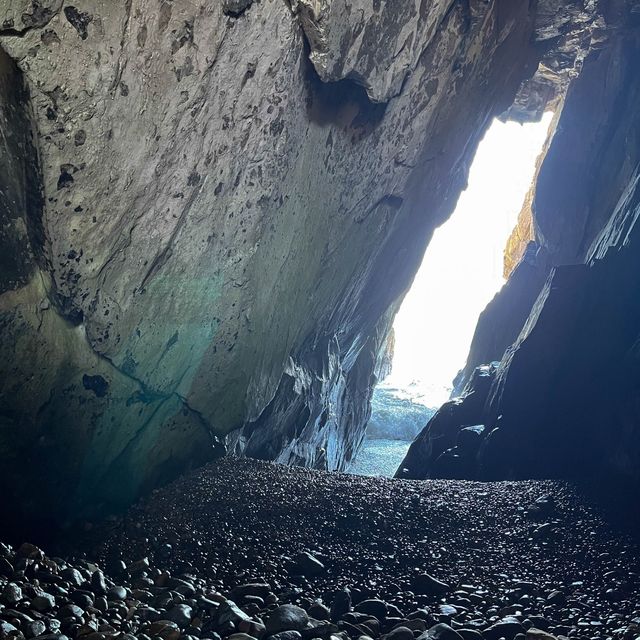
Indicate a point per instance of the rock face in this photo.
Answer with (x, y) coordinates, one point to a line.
(502, 320)
(448, 446)
(235, 196)
(564, 399)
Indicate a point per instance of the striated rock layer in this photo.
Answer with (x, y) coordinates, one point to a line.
(564, 399)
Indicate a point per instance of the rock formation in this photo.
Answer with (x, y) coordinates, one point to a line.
(564, 398)
(213, 210)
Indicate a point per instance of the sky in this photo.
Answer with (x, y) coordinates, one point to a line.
(462, 267)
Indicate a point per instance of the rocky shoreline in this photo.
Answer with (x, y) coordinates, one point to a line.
(244, 550)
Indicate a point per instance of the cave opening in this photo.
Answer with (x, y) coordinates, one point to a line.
(465, 265)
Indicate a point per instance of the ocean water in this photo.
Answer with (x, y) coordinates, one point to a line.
(398, 414)
(379, 457)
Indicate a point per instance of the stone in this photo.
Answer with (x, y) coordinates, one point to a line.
(72, 576)
(71, 611)
(30, 551)
(258, 589)
(35, 628)
(307, 565)
(440, 631)
(181, 614)
(116, 593)
(6, 568)
(11, 594)
(538, 634)
(556, 597)
(164, 629)
(139, 566)
(376, 608)
(228, 611)
(506, 628)
(8, 631)
(399, 633)
(319, 611)
(83, 599)
(428, 585)
(43, 602)
(286, 635)
(287, 617)
(98, 584)
(340, 605)
(319, 629)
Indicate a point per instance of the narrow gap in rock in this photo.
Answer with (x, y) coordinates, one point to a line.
(463, 268)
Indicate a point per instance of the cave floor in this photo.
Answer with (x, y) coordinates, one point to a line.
(559, 564)
(495, 560)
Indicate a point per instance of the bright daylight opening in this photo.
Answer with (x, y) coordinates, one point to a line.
(461, 272)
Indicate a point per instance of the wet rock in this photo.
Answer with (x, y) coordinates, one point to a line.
(164, 629)
(286, 635)
(30, 551)
(35, 628)
(259, 589)
(9, 632)
(11, 594)
(440, 631)
(72, 576)
(287, 617)
(428, 585)
(98, 584)
(556, 597)
(376, 608)
(506, 628)
(229, 612)
(307, 565)
(340, 604)
(71, 611)
(116, 593)
(6, 568)
(538, 634)
(319, 611)
(181, 614)
(399, 633)
(43, 602)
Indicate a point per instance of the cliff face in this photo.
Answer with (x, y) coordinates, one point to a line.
(235, 195)
(564, 399)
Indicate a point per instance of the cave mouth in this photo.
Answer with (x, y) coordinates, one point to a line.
(462, 270)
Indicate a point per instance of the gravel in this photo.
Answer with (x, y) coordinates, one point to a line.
(243, 549)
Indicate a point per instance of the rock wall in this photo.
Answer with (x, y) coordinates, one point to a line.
(564, 399)
(235, 196)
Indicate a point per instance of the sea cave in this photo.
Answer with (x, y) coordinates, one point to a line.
(233, 234)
